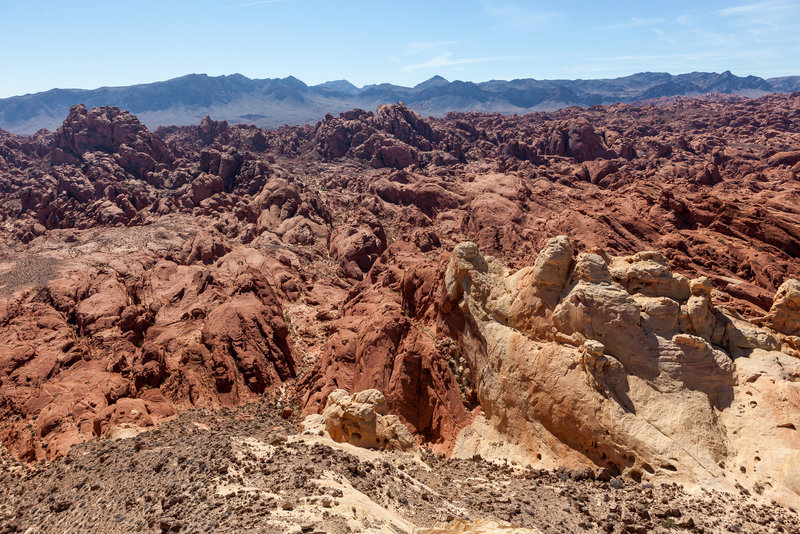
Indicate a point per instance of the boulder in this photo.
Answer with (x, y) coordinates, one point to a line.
(362, 420)
(784, 315)
(356, 248)
(784, 158)
(207, 246)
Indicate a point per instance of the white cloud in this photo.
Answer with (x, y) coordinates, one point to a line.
(419, 47)
(765, 21)
(446, 60)
(517, 17)
(749, 9)
(259, 3)
(633, 22)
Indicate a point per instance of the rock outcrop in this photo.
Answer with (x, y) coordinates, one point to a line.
(784, 314)
(112, 131)
(395, 136)
(133, 343)
(619, 364)
(377, 343)
(362, 420)
(146, 272)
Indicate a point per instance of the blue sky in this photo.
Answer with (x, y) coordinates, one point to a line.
(87, 44)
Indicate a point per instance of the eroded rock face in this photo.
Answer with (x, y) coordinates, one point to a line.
(784, 315)
(376, 344)
(109, 130)
(357, 247)
(362, 420)
(617, 362)
(132, 343)
(577, 139)
(214, 273)
(394, 137)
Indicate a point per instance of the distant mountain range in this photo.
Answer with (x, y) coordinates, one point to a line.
(274, 102)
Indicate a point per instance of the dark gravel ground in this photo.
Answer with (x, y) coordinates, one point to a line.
(27, 271)
(246, 470)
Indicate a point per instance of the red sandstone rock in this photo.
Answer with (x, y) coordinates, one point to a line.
(203, 265)
(357, 248)
(784, 158)
(376, 343)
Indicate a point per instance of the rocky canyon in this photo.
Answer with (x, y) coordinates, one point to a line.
(579, 320)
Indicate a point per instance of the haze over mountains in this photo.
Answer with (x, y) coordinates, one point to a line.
(275, 102)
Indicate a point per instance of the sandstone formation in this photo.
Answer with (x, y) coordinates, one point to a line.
(362, 420)
(132, 343)
(376, 344)
(144, 273)
(784, 314)
(617, 362)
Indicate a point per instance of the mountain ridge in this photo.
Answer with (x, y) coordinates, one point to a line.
(272, 102)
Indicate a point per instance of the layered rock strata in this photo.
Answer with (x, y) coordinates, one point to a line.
(619, 364)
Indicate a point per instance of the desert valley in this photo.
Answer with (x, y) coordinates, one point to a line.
(578, 320)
